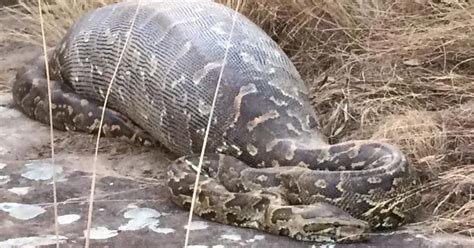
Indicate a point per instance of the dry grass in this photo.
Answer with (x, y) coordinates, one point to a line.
(401, 71)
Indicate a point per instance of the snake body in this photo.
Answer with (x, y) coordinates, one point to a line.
(266, 167)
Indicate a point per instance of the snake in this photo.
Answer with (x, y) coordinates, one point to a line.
(176, 67)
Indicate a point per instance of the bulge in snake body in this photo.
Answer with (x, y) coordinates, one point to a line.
(267, 166)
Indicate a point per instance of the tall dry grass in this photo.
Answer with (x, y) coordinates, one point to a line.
(400, 71)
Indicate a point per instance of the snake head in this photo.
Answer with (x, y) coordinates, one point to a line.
(319, 222)
(333, 230)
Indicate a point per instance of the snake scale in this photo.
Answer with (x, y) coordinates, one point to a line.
(266, 166)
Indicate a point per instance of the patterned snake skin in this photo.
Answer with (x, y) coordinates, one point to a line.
(266, 167)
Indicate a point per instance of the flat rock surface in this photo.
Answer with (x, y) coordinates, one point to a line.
(132, 206)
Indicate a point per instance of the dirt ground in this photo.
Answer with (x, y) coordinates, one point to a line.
(132, 207)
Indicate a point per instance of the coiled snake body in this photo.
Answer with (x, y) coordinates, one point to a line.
(266, 167)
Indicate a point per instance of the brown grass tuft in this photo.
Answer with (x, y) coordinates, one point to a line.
(402, 71)
(416, 132)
